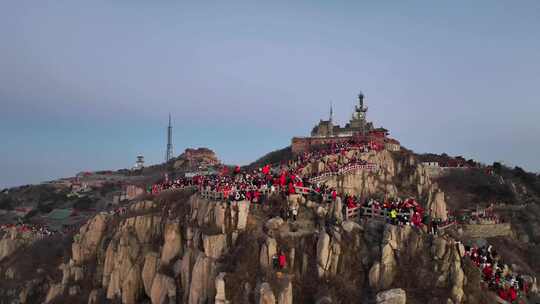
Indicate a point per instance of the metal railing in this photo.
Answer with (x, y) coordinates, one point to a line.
(303, 190)
(447, 225)
(373, 212)
(378, 213)
(213, 195)
(220, 195)
(344, 170)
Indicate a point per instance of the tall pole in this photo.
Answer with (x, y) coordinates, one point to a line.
(169, 154)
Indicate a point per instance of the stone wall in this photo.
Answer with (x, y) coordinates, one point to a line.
(487, 230)
(301, 144)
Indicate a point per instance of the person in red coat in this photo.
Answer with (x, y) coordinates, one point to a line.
(488, 272)
(503, 294)
(416, 219)
(282, 260)
(512, 294)
(350, 202)
(283, 179)
(291, 188)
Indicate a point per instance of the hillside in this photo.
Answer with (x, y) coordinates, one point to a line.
(184, 244)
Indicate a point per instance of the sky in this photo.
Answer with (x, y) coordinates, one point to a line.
(88, 85)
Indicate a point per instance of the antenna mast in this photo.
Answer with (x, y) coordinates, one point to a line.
(169, 154)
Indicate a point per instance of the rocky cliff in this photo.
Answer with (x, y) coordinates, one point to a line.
(193, 159)
(186, 249)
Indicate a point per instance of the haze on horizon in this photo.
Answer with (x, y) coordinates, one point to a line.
(89, 85)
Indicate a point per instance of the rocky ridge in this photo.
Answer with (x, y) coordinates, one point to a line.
(215, 252)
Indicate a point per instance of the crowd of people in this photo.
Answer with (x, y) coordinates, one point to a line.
(118, 211)
(497, 275)
(335, 168)
(482, 216)
(288, 178)
(39, 231)
(258, 184)
(178, 183)
(341, 148)
(399, 212)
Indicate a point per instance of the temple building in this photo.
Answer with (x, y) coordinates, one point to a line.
(358, 128)
(358, 125)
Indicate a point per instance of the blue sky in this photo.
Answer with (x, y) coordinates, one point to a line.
(88, 85)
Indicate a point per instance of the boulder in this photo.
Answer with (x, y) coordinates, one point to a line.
(25, 293)
(8, 246)
(328, 252)
(324, 300)
(11, 273)
(388, 267)
(147, 227)
(85, 246)
(172, 246)
(323, 254)
(439, 248)
(274, 223)
(392, 296)
(457, 278)
(220, 216)
(142, 205)
(66, 273)
(75, 290)
(242, 208)
(295, 200)
(350, 226)
(286, 295)
(457, 294)
(461, 249)
(266, 295)
(95, 296)
(215, 245)
(151, 265)
(109, 263)
(163, 289)
(437, 204)
(199, 209)
(220, 289)
(202, 286)
(113, 289)
(122, 257)
(186, 269)
(54, 291)
(311, 205)
(268, 250)
(321, 211)
(337, 210)
(77, 273)
(375, 275)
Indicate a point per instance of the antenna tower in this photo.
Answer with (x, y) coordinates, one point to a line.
(169, 154)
